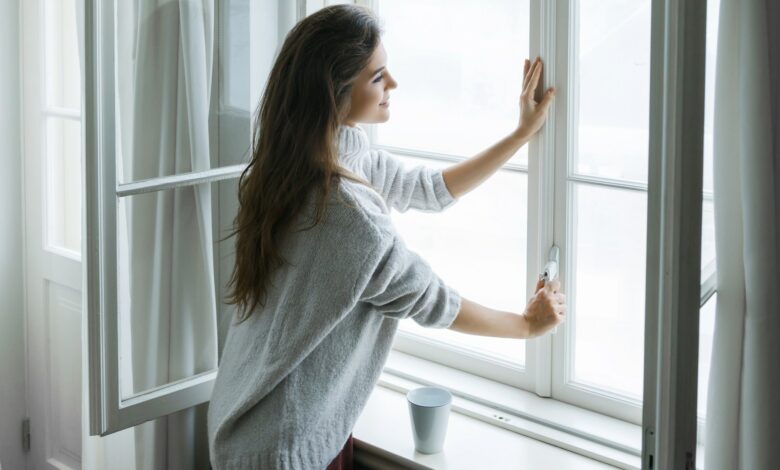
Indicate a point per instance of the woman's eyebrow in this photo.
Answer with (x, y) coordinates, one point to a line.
(378, 70)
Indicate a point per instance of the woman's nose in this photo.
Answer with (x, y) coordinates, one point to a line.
(391, 83)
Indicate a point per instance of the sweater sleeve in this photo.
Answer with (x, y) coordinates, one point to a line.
(418, 187)
(400, 284)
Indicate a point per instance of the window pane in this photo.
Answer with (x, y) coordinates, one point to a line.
(62, 74)
(235, 63)
(607, 318)
(707, 234)
(477, 246)
(613, 77)
(63, 183)
(707, 312)
(708, 209)
(459, 67)
(713, 9)
(706, 332)
(168, 81)
(169, 287)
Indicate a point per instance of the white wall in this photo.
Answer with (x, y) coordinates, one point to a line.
(12, 332)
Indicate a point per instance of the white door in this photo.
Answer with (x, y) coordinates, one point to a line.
(52, 206)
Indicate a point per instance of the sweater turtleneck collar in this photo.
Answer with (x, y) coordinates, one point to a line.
(352, 141)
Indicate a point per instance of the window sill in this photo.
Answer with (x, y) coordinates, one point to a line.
(492, 425)
(383, 440)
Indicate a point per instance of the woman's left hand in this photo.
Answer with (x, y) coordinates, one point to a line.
(533, 114)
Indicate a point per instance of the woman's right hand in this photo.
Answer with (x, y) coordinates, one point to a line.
(533, 114)
(546, 309)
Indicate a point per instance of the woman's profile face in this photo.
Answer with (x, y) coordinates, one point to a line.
(371, 91)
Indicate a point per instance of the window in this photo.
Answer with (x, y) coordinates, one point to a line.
(62, 128)
(581, 185)
(168, 138)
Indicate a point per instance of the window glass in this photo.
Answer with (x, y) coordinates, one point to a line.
(459, 68)
(170, 294)
(613, 81)
(62, 73)
(607, 225)
(171, 63)
(235, 60)
(708, 209)
(63, 183)
(62, 126)
(477, 246)
(706, 332)
(708, 258)
(608, 252)
(707, 236)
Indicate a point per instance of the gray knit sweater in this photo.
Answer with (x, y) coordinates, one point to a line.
(295, 376)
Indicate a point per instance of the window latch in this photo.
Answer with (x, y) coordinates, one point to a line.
(550, 271)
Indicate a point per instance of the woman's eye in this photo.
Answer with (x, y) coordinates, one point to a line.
(377, 79)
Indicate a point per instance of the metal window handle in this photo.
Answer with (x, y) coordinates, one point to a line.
(550, 271)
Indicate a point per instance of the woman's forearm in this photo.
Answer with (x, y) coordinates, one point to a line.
(476, 319)
(468, 174)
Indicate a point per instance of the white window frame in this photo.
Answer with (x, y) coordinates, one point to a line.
(553, 32)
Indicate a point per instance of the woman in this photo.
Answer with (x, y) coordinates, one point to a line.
(321, 276)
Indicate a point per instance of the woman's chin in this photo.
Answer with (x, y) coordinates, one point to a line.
(385, 116)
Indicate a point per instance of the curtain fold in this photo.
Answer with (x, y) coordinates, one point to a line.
(743, 409)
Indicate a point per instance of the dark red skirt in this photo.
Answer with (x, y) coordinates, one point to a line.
(343, 461)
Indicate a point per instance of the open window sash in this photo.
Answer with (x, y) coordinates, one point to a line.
(674, 234)
(113, 404)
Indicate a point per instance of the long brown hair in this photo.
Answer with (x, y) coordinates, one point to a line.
(306, 98)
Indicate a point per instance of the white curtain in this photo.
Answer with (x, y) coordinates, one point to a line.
(743, 410)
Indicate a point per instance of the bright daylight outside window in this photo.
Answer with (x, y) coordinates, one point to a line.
(62, 112)
(459, 65)
(606, 187)
(459, 69)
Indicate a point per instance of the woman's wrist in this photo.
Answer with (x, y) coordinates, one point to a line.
(521, 136)
(522, 328)
(476, 319)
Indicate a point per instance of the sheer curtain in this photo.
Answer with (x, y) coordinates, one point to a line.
(743, 410)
